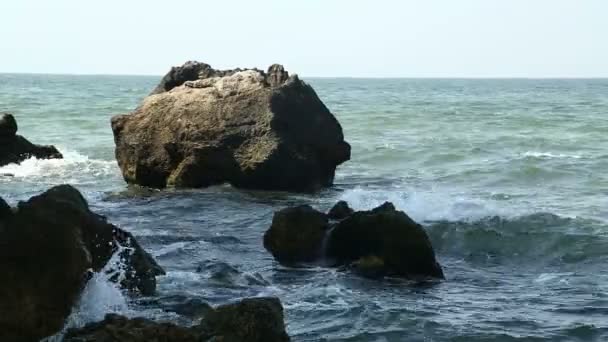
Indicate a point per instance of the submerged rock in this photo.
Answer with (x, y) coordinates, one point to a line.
(249, 320)
(382, 241)
(15, 148)
(252, 129)
(48, 247)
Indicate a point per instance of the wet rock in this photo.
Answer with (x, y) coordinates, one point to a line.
(340, 211)
(250, 320)
(15, 148)
(115, 328)
(389, 235)
(369, 266)
(252, 129)
(382, 241)
(296, 234)
(5, 209)
(48, 247)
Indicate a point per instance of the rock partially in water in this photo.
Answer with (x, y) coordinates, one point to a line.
(382, 241)
(249, 320)
(15, 148)
(5, 209)
(388, 234)
(296, 234)
(340, 211)
(48, 247)
(370, 266)
(116, 328)
(252, 129)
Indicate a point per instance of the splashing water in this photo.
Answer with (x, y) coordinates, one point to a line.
(102, 295)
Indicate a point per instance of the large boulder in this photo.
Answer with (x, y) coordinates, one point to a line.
(379, 242)
(15, 148)
(249, 320)
(48, 247)
(252, 129)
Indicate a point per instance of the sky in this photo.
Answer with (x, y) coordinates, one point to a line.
(322, 38)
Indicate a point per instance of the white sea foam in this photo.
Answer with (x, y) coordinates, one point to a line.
(549, 155)
(74, 168)
(428, 205)
(100, 297)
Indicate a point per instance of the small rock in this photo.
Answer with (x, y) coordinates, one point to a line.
(296, 234)
(15, 148)
(340, 211)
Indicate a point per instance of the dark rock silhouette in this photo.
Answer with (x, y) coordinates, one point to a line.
(382, 241)
(15, 148)
(48, 247)
(249, 320)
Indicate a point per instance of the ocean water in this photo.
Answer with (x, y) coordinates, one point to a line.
(508, 177)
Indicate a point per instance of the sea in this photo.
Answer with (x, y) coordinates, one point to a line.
(509, 177)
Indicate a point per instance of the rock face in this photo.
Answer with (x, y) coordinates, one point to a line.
(340, 211)
(250, 320)
(296, 234)
(48, 247)
(249, 128)
(15, 148)
(388, 235)
(382, 241)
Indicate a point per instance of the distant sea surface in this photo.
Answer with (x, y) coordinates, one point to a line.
(509, 177)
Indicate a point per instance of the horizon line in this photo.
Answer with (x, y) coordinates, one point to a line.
(341, 77)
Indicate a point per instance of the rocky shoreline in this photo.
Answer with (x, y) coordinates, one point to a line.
(253, 129)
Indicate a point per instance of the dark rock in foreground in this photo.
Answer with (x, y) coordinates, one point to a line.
(15, 148)
(375, 243)
(250, 320)
(48, 247)
(340, 211)
(252, 129)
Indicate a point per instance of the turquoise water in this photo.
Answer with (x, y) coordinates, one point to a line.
(508, 177)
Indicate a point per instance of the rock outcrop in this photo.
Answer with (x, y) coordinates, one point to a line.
(250, 320)
(15, 148)
(49, 245)
(375, 243)
(296, 234)
(252, 129)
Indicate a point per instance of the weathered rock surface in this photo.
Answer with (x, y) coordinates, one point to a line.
(250, 320)
(382, 241)
(48, 247)
(252, 129)
(15, 148)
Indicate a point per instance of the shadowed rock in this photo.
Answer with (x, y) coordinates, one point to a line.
(382, 241)
(249, 320)
(296, 234)
(48, 247)
(15, 148)
(252, 129)
(340, 211)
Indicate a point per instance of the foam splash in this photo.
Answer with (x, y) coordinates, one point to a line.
(427, 205)
(549, 155)
(74, 168)
(100, 296)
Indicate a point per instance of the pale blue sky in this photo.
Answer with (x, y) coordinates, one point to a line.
(400, 38)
